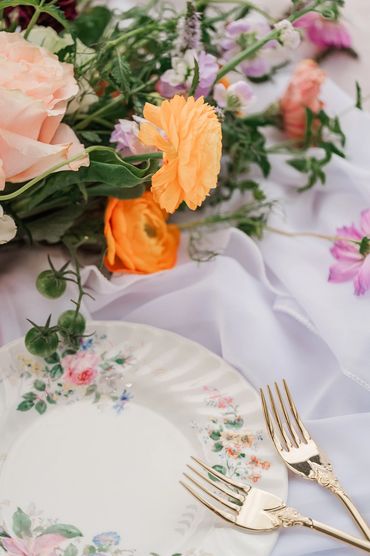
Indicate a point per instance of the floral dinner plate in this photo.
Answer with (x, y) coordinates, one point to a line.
(93, 443)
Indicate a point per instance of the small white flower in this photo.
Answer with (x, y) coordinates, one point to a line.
(289, 36)
(8, 229)
(235, 98)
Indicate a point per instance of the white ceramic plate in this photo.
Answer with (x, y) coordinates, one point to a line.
(92, 447)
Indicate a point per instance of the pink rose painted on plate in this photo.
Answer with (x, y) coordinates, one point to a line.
(81, 368)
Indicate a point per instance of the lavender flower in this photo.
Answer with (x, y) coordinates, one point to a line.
(188, 31)
(178, 79)
(125, 134)
(235, 98)
(240, 34)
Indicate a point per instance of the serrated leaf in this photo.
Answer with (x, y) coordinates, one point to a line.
(121, 74)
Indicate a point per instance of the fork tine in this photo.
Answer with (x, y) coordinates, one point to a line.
(225, 515)
(223, 478)
(306, 435)
(277, 418)
(219, 499)
(217, 484)
(269, 424)
(295, 437)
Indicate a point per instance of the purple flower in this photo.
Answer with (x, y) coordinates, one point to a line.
(178, 79)
(235, 98)
(242, 33)
(323, 32)
(106, 539)
(352, 250)
(125, 134)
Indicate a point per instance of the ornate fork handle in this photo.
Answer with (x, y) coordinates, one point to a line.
(323, 473)
(290, 517)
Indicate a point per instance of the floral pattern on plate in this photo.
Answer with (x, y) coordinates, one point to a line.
(69, 376)
(227, 436)
(34, 536)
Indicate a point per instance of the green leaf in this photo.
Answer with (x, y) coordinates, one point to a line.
(52, 359)
(215, 435)
(25, 406)
(299, 164)
(56, 371)
(71, 550)
(217, 447)
(52, 227)
(90, 25)
(90, 390)
(50, 399)
(49, 9)
(21, 524)
(120, 74)
(29, 396)
(41, 407)
(90, 136)
(359, 104)
(195, 81)
(66, 531)
(39, 385)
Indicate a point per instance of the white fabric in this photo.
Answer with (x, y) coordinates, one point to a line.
(267, 309)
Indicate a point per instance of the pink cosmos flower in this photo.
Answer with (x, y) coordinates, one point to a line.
(44, 545)
(352, 252)
(81, 367)
(323, 32)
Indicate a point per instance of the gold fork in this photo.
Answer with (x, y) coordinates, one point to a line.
(251, 508)
(300, 453)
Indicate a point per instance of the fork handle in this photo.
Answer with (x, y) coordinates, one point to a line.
(336, 534)
(354, 512)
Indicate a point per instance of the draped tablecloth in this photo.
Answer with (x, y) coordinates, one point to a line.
(267, 308)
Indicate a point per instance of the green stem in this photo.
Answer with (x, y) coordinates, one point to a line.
(103, 110)
(309, 234)
(115, 42)
(251, 50)
(34, 181)
(243, 3)
(34, 18)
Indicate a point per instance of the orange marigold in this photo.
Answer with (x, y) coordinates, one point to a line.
(138, 237)
(188, 133)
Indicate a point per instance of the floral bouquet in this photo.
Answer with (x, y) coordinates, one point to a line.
(114, 122)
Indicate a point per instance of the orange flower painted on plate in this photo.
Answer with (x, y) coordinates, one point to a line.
(303, 92)
(188, 133)
(138, 237)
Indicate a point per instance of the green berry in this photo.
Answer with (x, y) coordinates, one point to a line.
(70, 324)
(41, 341)
(50, 284)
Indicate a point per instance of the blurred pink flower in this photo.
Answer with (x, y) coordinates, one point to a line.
(352, 252)
(323, 32)
(236, 97)
(41, 546)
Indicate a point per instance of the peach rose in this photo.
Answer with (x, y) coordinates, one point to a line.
(34, 92)
(138, 237)
(303, 92)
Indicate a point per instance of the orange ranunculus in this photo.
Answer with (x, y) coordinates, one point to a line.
(303, 92)
(188, 133)
(138, 237)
